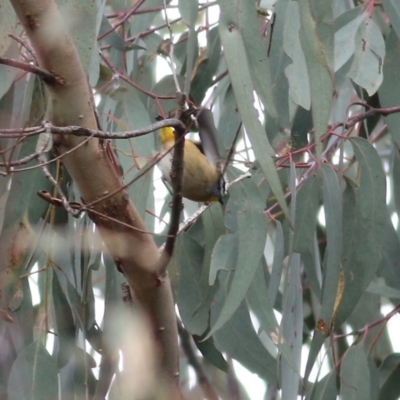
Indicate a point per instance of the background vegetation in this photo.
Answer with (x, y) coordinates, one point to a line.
(289, 277)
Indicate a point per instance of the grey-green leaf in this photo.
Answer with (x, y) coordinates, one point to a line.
(364, 226)
(33, 375)
(355, 375)
(370, 50)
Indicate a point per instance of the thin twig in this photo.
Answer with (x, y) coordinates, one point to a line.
(42, 164)
(177, 179)
(202, 378)
(26, 45)
(81, 131)
(46, 75)
(123, 20)
(171, 52)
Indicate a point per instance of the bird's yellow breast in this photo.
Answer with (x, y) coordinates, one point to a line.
(199, 175)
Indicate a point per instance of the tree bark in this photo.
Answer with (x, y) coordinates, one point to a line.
(71, 103)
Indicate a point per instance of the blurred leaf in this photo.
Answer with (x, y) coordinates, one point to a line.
(8, 24)
(396, 177)
(33, 375)
(8, 74)
(110, 357)
(389, 94)
(392, 10)
(115, 40)
(383, 290)
(188, 10)
(22, 329)
(7, 359)
(390, 263)
(84, 379)
(142, 22)
(81, 20)
(355, 375)
(65, 323)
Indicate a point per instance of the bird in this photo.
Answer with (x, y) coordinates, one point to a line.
(203, 180)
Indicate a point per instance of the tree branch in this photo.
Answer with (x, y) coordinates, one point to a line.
(71, 104)
(46, 75)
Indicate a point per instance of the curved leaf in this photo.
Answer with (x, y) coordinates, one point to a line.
(355, 374)
(364, 226)
(33, 375)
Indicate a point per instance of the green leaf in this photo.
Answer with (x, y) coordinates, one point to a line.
(33, 375)
(207, 68)
(244, 16)
(389, 375)
(277, 264)
(307, 205)
(332, 266)
(190, 293)
(258, 300)
(292, 329)
(355, 375)
(346, 27)
(238, 338)
(210, 353)
(392, 10)
(225, 255)
(252, 231)
(64, 321)
(299, 85)
(188, 10)
(164, 87)
(325, 389)
(390, 263)
(312, 267)
(389, 94)
(8, 24)
(81, 20)
(370, 50)
(278, 63)
(213, 225)
(318, 58)
(364, 226)
(383, 290)
(241, 78)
